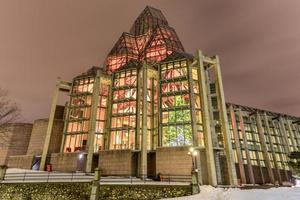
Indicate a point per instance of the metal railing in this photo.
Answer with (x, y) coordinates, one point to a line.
(32, 177)
(46, 177)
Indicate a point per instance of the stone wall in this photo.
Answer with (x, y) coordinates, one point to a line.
(173, 161)
(16, 141)
(67, 162)
(176, 163)
(38, 135)
(116, 162)
(20, 161)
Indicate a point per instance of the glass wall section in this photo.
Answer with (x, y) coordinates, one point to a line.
(101, 117)
(152, 113)
(278, 145)
(296, 135)
(253, 142)
(79, 114)
(196, 90)
(124, 101)
(175, 104)
(232, 139)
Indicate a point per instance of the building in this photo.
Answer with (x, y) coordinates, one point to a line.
(151, 101)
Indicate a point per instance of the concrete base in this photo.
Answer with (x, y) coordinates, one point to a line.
(68, 162)
(22, 161)
(173, 161)
(117, 162)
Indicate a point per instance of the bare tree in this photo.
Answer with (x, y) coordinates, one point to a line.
(9, 113)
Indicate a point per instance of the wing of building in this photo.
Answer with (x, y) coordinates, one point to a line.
(140, 112)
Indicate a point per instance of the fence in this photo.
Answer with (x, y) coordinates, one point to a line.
(47, 177)
(19, 177)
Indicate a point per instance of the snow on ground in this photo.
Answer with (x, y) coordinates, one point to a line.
(211, 193)
(17, 170)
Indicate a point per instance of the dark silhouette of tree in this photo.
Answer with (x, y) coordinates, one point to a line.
(9, 113)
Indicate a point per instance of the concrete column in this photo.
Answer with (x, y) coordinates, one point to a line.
(3, 169)
(95, 187)
(267, 126)
(66, 119)
(211, 169)
(159, 120)
(139, 108)
(237, 145)
(264, 147)
(108, 116)
(144, 125)
(50, 126)
(249, 164)
(224, 125)
(193, 119)
(92, 123)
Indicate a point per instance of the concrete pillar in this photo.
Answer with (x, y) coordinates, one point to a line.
(92, 123)
(3, 169)
(95, 186)
(267, 126)
(144, 124)
(249, 164)
(237, 145)
(66, 118)
(193, 119)
(264, 147)
(50, 126)
(224, 125)
(108, 116)
(211, 169)
(195, 182)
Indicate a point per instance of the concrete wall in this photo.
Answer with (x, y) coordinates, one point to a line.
(20, 161)
(67, 162)
(173, 161)
(14, 140)
(38, 135)
(116, 162)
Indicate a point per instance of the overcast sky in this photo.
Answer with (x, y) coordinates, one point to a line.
(258, 42)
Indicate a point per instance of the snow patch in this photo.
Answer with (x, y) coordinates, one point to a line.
(211, 193)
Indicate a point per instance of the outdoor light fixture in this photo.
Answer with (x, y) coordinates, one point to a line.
(80, 156)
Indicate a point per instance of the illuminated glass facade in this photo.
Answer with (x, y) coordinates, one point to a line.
(149, 87)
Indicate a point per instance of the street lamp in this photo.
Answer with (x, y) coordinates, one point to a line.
(195, 181)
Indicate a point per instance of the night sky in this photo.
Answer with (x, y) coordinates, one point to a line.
(258, 42)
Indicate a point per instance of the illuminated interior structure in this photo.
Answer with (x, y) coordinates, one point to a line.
(151, 101)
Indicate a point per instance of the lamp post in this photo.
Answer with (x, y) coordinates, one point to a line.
(195, 182)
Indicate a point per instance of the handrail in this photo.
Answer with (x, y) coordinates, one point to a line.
(83, 177)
